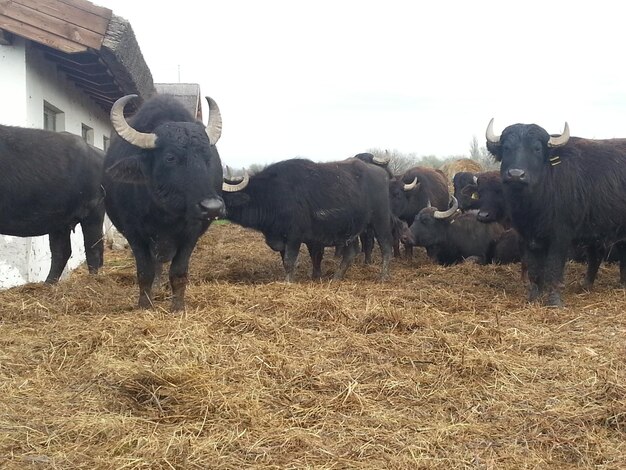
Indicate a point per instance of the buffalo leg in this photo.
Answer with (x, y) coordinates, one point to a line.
(145, 272)
(535, 266)
(367, 241)
(621, 251)
(554, 270)
(60, 249)
(178, 275)
(396, 248)
(594, 258)
(290, 258)
(93, 239)
(317, 253)
(408, 252)
(349, 252)
(158, 272)
(384, 234)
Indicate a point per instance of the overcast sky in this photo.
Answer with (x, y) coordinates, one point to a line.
(328, 79)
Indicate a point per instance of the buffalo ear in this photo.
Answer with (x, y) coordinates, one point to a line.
(495, 150)
(127, 170)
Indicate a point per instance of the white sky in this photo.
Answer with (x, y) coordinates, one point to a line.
(327, 79)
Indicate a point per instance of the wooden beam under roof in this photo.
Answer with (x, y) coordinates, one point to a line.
(66, 25)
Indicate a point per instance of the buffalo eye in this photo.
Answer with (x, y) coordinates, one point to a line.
(171, 159)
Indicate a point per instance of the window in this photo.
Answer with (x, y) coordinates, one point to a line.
(105, 143)
(87, 133)
(53, 118)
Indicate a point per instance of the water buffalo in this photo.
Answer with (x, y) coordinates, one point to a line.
(163, 181)
(450, 237)
(367, 237)
(417, 188)
(460, 165)
(464, 187)
(319, 204)
(488, 197)
(383, 162)
(561, 190)
(49, 182)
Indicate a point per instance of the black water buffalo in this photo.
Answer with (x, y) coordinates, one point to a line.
(488, 196)
(382, 162)
(561, 190)
(367, 237)
(417, 188)
(49, 182)
(319, 204)
(450, 237)
(464, 186)
(163, 181)
(508, 249)
(482, 194)
(462, 165)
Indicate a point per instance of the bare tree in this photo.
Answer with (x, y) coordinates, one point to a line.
(398, 161)
(482, 155)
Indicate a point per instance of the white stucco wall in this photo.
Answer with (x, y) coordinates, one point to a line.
(13, 83)
(27, 79)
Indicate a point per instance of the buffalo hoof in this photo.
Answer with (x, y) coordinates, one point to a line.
(533, 292)
(145, 302)
(177, 306)
(553, 299)
(585, 286)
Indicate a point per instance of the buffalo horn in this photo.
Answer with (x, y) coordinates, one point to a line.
(449, 212)
(233, 188)
(125, 131)
(560, 140)
(214, 126)
(491, 137)
(411, 185)
(382, 160)
(475, 179)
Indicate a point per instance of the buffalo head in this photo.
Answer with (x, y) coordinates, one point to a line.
(177, 161)
(464, 183)
(524, 151)
(430, 225)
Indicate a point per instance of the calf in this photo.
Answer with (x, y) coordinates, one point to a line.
(450, 238)
(416, 189)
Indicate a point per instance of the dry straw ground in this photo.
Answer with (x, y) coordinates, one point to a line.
(440, 368)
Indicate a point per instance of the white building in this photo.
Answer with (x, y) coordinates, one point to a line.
(61, 68)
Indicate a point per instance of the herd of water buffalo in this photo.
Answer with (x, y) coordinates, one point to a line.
(161, 183)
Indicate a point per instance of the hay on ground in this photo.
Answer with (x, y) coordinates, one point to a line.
(439, 368)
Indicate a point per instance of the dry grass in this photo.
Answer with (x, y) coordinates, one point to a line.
(440, 368)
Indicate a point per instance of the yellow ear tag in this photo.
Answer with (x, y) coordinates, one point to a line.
(554, 161)
(474, 195)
